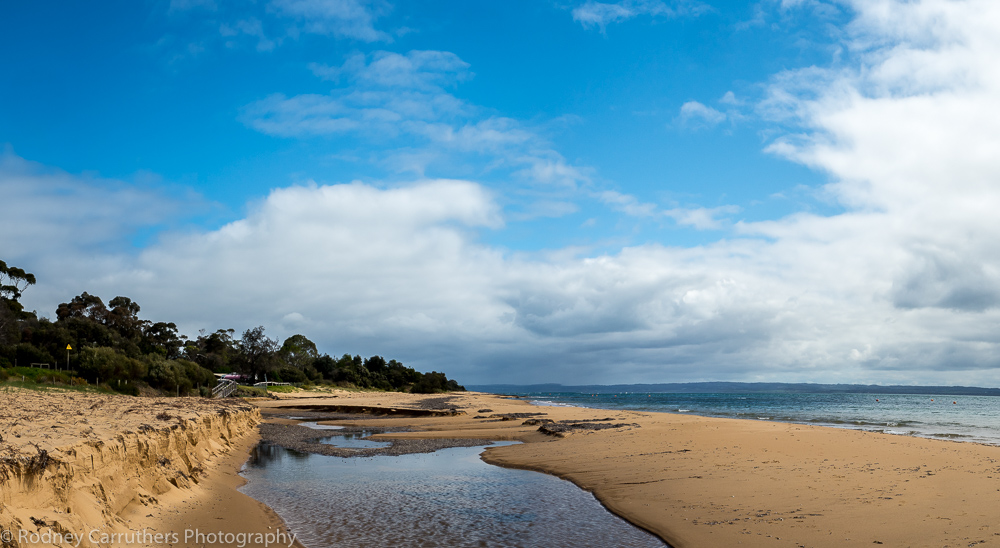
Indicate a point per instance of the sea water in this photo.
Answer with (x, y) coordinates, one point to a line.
(961, 418)
(449, 498)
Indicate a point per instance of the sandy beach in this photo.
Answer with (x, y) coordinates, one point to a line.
(704, 482)
(170, 465)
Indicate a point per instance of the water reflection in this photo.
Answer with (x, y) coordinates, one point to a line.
(354, 440)
(450, 498)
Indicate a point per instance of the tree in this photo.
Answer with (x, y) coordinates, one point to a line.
(86, 306)
(13, 282)
(8, 325)
(215, 351)
(256, 353)
(163, 337)
(123, 317)
(298, 351)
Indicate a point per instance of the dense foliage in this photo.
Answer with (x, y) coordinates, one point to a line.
(111, 345)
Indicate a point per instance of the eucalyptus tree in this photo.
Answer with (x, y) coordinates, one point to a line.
(257, 353)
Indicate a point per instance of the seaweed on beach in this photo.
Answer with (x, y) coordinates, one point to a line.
(560, 429)
(437, 403)
(497, 417)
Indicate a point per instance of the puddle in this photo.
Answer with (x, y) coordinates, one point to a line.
(449, 498)
(353, 440)
(316, 426)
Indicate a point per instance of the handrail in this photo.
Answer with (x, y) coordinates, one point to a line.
(224, 388)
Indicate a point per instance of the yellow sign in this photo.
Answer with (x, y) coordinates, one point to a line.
(68, 347)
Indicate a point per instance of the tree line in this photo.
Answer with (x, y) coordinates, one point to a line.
(113, 346)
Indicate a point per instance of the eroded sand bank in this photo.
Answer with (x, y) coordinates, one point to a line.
(122, 471)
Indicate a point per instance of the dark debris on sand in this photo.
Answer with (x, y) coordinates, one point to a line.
(497, 417)
(306, 440)
(562, 428)
(444, 402)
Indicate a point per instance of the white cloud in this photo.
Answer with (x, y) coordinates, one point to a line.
(252, 27)
(393, 96)
(630, 205)
(701, 218)
(368, 112)
(694, 114)
(729, 98)
(342, 18)
(601, 14)
(416, 69)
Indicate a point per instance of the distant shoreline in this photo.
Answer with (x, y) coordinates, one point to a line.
(739, 388)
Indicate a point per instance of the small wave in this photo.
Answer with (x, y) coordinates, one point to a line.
(763, 418)
(949, 436)
(546, 403)
(683, 410)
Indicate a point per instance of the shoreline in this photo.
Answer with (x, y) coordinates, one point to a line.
(166, 465)
(704, 481)
(955, 427)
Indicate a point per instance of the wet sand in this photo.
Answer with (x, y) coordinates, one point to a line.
(705, 482)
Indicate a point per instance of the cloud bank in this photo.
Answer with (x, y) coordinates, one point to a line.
(902, 286)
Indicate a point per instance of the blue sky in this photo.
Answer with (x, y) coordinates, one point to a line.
(159, 88)
(676, 188)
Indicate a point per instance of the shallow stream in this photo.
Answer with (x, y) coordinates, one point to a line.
(449, 498)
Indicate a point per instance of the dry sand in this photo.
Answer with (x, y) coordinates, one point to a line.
(170, 465)
(106, 467)
(706, 482)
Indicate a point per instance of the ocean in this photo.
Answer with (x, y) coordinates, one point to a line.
(959, 418)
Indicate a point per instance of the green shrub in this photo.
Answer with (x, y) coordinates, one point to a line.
(106, 364)
(28, 354)
(290, 374)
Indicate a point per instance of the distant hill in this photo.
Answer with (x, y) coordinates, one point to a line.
(739, 388)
